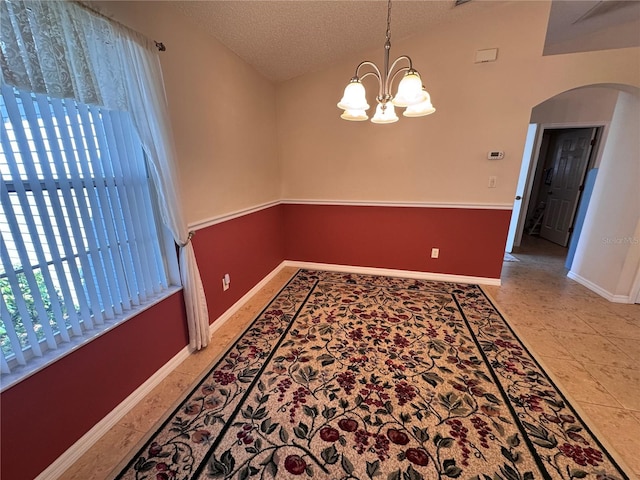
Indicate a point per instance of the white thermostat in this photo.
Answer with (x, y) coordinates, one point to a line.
(496, 155)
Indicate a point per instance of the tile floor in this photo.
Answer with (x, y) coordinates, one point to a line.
(591, 346)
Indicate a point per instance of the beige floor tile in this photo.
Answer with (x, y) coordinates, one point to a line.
(151, 409)
(543, 343)
(629, 346)
(593, 349)
(104, 455)
(612, 325)
(566, 321)
(578, 382)
(630, 312)
(198, 361)
(515, 315)
(620, 428)
(622, 383)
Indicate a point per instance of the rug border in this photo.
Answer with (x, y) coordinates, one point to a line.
(570, 400)
(173, 408)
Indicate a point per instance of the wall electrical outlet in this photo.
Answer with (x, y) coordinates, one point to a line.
(435, 252)
(493, 181)
(226, 282)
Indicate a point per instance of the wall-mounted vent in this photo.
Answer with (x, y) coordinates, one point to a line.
(457, 3)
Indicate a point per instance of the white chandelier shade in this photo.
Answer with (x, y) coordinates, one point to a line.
(410, 90)
(411, 93)
(385, 113)
(355, 97)
(420, 109)
(355, 115)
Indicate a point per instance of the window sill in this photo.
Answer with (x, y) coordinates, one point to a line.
(21, 373)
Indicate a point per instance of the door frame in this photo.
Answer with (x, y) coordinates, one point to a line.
(516, 224)
(541, 128)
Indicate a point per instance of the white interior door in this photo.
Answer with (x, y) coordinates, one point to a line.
(517, 214)
(571, 155)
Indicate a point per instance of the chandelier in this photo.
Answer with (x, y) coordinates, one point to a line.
(411, 93)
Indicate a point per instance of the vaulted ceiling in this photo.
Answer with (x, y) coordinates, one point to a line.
(284, 39)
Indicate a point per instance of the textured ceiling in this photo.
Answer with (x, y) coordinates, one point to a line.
(284, 39)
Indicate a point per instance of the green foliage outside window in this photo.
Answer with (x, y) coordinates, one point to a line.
(30, 303)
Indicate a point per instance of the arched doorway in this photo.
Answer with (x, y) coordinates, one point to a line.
(606, 222)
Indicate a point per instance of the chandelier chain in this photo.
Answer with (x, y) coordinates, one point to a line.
(388, 21)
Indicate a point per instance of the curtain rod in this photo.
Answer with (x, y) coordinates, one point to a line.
(83, 4)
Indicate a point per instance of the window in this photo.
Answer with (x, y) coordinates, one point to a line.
(80, 244)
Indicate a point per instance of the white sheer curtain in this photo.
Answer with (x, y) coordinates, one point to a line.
(63, 50)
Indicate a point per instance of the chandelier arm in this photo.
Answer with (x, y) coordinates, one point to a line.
(400, 70)
(402, 57)
(376, 73)
(391, 75)
(368, 74)
(404, 69)
(371, 64)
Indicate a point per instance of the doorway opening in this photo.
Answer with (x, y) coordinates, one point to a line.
(556, 180)
(601, 242)
(562, 184)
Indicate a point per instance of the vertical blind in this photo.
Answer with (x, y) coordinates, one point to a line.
(79, 243)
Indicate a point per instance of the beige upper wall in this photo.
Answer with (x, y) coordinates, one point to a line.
(222, 114)
(441, 157)
(592, 105)
(229, 160)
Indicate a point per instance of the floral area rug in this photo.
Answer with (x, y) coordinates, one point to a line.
(349, 376)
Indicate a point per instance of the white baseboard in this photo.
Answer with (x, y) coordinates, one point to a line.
(599, 290)
(79, 448)
(388, 272)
